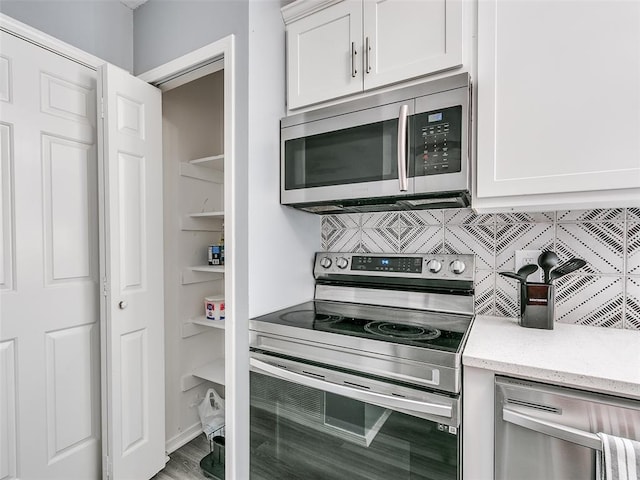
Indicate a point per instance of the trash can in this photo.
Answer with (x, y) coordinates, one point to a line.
(212, 464)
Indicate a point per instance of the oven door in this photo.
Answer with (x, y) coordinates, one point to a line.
(310, 422)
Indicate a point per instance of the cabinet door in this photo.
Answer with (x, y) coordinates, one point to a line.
(324, 54)
(408, 38)
(558, 99)
(133, 325)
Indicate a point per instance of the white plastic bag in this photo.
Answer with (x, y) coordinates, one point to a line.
(211, 411)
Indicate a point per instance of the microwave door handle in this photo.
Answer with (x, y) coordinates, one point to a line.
(563, 432)
(402, 148)
(386, 401)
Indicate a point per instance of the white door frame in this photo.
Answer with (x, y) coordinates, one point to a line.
(222, 48)
(223, 51)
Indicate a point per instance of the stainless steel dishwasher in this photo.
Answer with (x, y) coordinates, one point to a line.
(546, 431)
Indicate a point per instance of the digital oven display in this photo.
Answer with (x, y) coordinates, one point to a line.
(387, 264)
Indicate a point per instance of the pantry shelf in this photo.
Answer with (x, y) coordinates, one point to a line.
(208, 268)
(212, 371)
(208, 323)
(207, 214)
(188, 169)
(199, 274)
(215, 162)
(199, 325)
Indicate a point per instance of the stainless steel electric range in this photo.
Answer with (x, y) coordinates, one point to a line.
(364, 381)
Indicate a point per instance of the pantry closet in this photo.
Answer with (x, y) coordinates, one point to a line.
(194, 208)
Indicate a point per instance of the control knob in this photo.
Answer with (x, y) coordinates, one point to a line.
(434, 266)
(325, 262)
(342, 263)
(457, 267)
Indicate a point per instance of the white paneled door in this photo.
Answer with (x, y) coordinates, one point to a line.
(132, 336)
(49, 271)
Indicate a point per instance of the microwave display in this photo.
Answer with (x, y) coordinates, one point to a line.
(437, 141)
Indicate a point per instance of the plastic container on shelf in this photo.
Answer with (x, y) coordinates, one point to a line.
(214, 308)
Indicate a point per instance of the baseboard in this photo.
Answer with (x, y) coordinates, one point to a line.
(183, 438)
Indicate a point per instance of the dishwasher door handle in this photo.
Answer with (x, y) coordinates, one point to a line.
(569, 434)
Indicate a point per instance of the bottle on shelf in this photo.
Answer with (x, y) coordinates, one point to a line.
(215, 252)
(222, 246)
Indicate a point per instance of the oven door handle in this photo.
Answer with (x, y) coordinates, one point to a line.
(387, 401)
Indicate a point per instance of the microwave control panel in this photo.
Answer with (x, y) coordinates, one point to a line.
(437, 141)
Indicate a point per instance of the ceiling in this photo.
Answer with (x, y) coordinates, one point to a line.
(132, 4)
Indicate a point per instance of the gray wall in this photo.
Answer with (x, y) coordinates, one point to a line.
(282, 240)
(103, 28)
(167, 29)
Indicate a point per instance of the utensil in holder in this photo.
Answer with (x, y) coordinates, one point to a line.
(537, 305)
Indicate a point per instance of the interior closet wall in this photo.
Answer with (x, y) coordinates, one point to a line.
(193, 127)
(102, 28)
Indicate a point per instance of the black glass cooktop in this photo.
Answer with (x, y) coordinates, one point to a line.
(391, 325)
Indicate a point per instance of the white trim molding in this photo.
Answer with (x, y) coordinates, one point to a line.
(209, 53)
(183, 438)
(302, 8)
(22, 30)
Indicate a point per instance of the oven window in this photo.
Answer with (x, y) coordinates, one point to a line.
(298, 432)
(365, 153)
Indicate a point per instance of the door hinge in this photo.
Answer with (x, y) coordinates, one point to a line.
(105, 287)
(108, 468)
(101, 107)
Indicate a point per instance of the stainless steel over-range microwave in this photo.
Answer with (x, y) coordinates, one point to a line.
(403, 149)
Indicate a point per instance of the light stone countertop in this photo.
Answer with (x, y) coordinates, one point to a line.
(592, 358)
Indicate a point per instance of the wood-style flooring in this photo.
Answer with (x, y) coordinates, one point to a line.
(185, 462)
(281, 449)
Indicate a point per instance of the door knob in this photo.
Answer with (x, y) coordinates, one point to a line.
(122, 305)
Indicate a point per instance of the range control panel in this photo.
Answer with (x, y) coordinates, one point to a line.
(386, 264)
(417, 265)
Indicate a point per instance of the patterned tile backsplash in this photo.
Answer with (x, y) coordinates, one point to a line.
(606, 292)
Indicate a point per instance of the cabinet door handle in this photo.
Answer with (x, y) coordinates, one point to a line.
(354, 70)
(367, 49)
(402, 148)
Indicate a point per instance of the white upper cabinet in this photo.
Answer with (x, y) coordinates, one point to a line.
(323, 53)
(337, 48)
(558, 112)
(406, 39)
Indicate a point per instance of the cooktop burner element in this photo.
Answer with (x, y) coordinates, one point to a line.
(309, 316)
(398, 330)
